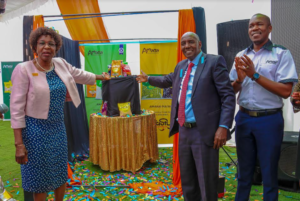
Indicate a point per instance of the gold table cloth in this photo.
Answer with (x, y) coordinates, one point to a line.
(123, 143)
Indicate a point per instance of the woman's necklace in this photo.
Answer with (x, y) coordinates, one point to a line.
(51, 68)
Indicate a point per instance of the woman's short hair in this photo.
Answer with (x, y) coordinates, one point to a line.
(36, 34)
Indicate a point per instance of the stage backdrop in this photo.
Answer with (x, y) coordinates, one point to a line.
(97, 59)
(7, 69)
(158, 59)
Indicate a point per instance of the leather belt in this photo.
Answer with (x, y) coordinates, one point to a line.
(259, 113)
(189, 125)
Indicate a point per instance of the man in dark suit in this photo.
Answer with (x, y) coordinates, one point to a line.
(203, 105)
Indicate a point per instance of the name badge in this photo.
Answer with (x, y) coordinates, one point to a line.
(181, 72)
(35, 74)
(202, 60)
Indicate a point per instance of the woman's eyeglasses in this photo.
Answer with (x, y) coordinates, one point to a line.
(50, 44)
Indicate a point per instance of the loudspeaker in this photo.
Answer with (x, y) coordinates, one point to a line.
(232, 38)
(284, 32)
(289, 162)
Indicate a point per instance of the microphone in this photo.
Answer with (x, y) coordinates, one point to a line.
(3, 108)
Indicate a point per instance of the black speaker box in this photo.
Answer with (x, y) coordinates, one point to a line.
(288, 166)
(232, 38)
(289, 162)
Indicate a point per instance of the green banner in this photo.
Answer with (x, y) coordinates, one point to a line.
(97, 59)
(7, 69)
(92, 105)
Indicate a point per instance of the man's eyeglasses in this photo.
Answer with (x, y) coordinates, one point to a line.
(42, 44)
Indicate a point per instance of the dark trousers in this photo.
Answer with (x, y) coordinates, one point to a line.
(199, 167)
(261, 137)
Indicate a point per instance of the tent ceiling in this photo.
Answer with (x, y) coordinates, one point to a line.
(12, 5)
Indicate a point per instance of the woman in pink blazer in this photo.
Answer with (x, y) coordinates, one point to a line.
(40, 88)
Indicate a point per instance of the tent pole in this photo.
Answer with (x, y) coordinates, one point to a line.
(128, 39)
(121, 13)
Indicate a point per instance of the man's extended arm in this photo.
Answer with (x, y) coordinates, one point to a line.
(157, 81)
(161, 81)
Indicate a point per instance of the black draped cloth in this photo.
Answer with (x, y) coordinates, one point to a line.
(75, 118)
(27, 28)
(199, 17)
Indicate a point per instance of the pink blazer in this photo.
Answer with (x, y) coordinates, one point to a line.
(30, 93)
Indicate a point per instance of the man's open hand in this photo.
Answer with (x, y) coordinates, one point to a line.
(142, 78)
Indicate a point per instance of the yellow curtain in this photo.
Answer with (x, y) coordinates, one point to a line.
(186, 23)
(85, 28)
(38, 21)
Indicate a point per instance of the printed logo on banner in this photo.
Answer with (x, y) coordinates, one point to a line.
(7, 66)
(150, 51)
(163, 124)
(94, 53)
(7, 69)
(121, 49)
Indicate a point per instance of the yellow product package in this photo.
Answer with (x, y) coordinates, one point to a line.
(124, 109)
(116, 69)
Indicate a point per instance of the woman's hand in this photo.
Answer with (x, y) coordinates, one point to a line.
(105, 76)
(21, 154)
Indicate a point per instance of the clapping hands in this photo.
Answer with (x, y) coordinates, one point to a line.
(245, 67)
(241, 74)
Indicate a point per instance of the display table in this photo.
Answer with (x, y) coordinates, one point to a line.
(123, 143)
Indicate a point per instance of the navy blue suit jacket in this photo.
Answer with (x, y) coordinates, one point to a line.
(213, 97)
